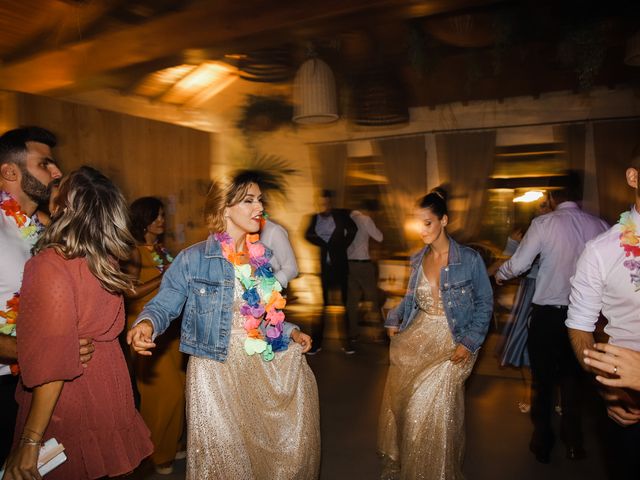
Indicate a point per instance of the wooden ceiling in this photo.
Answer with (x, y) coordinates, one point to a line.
(440, 50)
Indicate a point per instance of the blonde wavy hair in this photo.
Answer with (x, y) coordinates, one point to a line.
(222, 196)
(91, 221)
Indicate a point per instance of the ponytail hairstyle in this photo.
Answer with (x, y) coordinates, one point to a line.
(91, 221)
(436, 201)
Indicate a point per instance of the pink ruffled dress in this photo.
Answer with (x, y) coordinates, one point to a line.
(95, 418)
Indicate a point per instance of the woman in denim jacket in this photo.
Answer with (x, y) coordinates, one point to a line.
(435, 332)
(252, 400)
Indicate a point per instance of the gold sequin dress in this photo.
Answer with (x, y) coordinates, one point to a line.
(251, 419)
(421, 429)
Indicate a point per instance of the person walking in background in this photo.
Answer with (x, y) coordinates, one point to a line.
(363, 275)
(332, 230)
(436, 332)
(607, 280)
(252, 400)
(160, 379)
(558, 238)
(73, 287)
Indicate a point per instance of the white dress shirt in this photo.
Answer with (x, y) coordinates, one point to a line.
(14, 253)
(359, 248)
(559, 238)
(602, 283)
(285, 267)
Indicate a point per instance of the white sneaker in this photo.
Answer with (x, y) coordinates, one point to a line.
(181, 455)
(164, 470)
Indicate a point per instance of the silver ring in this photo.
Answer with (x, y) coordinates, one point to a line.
(615, 370)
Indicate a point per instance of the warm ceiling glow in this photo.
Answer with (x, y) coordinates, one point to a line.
(530, 196)
(199, 85)
(158, 83)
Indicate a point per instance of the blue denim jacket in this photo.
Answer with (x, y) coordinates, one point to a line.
(200, 285)
(466, 295)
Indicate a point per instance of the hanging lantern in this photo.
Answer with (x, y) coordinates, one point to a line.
(632, 55)
(314, 93)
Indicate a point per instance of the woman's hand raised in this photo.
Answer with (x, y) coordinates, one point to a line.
(139, 337)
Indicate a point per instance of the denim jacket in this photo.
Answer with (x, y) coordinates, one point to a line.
(466, 295)
(199, 284)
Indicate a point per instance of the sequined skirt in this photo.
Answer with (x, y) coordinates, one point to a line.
(250, 419)
(421, 427)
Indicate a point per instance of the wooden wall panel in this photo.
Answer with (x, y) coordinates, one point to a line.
(144, 157)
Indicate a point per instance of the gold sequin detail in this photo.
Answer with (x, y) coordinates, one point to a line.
(421, 427)
(250, 419)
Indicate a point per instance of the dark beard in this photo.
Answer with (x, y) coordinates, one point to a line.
(34, 188)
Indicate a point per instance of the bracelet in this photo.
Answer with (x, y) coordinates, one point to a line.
(24, 440)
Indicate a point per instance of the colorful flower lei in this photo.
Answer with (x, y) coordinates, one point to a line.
(630, 242)
(30, 227)
(264, 303)
(159, 254)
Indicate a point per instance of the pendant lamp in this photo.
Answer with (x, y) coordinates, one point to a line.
(314, 93)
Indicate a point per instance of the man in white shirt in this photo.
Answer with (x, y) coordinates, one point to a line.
(363, 278)
(607, 280)
(558, 237)
(283, 262)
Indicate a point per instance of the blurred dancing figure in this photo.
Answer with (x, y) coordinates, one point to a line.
(436, 332)
(363, 275)
(160, 379)
(333, 231)
(558, 238)
(252, 400)
(73, 287)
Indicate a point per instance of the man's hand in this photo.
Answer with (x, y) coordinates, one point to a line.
(623, 416)
(498, 281)
(86, 350)
(391, 331)
(139, 337)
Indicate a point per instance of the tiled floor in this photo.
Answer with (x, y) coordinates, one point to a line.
(497, 433)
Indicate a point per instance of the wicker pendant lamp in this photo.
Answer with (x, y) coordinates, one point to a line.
(314, 94)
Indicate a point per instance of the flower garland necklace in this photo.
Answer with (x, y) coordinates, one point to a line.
(630, 242)
(30, 227)
(159, 254)
(263, 305)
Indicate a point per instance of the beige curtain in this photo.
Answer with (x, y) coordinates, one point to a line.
(614, 142)
(465, 162)
(329, 167)
(405, 166)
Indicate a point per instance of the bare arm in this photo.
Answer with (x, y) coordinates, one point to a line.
(133, 267)
(581, 341)
(22, 463)
(8, 351)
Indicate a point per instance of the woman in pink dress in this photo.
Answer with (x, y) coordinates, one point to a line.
(73, 288)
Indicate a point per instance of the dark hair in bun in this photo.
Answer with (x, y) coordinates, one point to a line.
(436, 201)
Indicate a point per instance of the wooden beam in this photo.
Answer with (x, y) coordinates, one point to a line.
(219, 24)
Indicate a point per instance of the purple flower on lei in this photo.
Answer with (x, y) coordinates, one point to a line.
(256, 312)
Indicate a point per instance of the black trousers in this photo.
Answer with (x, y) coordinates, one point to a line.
(8, 413)
(331, 280)
(553, 364)
(621, 446)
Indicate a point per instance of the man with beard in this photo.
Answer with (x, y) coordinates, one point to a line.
(607, 280)
(26, 170)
